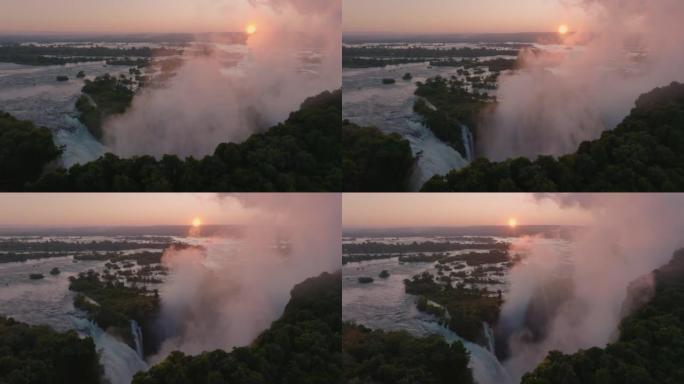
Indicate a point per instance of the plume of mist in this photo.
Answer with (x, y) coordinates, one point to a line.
(556, 100)
(632, 235)
(208, 102)
(225, 295)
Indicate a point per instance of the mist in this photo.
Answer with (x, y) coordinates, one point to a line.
(224, 296)
(559, 99)
(633, 234)
(208, 102)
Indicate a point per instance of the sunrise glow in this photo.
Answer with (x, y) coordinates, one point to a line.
(196, 222)
(563, 29)
(251, 29)
(512, 222)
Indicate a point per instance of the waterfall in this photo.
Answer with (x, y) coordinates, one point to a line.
(487, 369)
(468, 143)
(137, 338)
(120, 361)
(489, 336)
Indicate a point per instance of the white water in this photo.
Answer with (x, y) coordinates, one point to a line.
(485, 366)
(367, 102)
(468, 143)
(489, 335)
(137, 338)
(120, 361)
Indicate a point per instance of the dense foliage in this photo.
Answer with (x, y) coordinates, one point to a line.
(643, 153)
(302, 347)
(380, 56)
(650, 348)
(25, 150)
(115, 304)
(301, 154)
(39, 355)
(378, 357)
(104, 96)
(468, 308)
(374, 161)
(31, 54)
(453, 106)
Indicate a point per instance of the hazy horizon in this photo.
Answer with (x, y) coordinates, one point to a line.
(461, 16)
(414, 210)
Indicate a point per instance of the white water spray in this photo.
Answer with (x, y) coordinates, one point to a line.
(120, 361)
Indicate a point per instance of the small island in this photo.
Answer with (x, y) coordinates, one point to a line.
(36, 276)
(80, 74)
(62, 78)
(407, 76)
(365, 280)
(55, 271)
(384, 274)
(388, 81)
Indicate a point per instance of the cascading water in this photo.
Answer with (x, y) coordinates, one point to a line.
(137, 338)
(485, 366)
(489, 335)
(468, 143)
(120, 361)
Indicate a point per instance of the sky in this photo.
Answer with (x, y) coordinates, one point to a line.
(122, 209)
(126, 16)
(455, 209)
(457, 16)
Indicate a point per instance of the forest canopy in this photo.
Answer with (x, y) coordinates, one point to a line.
(375, 356)
(303, 346)
(650, 348)
(373, 161)
(301, 154)
(644, 153)
(40, 355)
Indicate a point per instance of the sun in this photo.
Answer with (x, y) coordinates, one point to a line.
(512, 222)
(196, 222)
(251, 29)
(563, 29)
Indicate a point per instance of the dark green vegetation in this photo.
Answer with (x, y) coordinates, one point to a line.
(62, 78)
(80, 74)
(103, 97)
(39, 355)
(650, 348)
(388, 81)
(365, 280)
(374, 356)
(380, 56)
(36, 276)
(56, 246)
(55, 271)
(407, 77)
(303, 346)
(25, 151)
(374, 161)
(63, 54)
(111, 304)
(467, 307)
(643, 153)
(384, 274)
(494, 65)
(301, 154)
(453, 106)
(427, 246)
